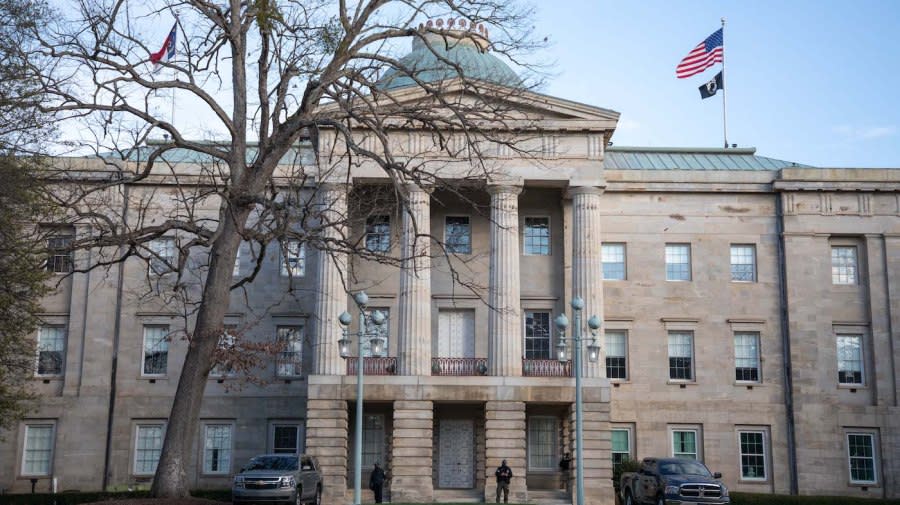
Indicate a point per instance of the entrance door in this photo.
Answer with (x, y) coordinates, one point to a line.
(456, 334)
(456, 459)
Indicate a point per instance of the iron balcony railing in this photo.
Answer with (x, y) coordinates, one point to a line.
(459, 366)
(546, 368)
(373, 366)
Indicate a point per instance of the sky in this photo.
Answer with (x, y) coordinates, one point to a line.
(813, 82)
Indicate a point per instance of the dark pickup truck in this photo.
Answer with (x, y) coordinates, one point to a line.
(673, 481)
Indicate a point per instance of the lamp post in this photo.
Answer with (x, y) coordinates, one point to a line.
(562, 322)
(376, 342)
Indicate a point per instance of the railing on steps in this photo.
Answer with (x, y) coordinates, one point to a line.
(373, 366)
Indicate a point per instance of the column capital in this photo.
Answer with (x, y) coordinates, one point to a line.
(413, 187)
(509, 188)
(584, 190)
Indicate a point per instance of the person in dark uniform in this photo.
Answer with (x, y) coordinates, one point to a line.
(376, 482)
(564, 464)
(504, 475)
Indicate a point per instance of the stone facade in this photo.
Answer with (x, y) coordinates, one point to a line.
(475, 379)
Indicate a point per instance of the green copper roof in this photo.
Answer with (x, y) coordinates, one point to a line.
(431, 62)
(669, 158)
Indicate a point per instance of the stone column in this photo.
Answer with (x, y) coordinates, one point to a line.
(505, 438)
(411, 472)
(598, 486)
(504, 323)
(587, 265)
(414, 330)
(331, 297)
(327, 435)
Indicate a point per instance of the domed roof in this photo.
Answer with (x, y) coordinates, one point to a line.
(431, 62)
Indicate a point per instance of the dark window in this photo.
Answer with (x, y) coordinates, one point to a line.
(681, 355)
(378, 233)
(537, 236)
(537, 335)
(616, 354)
(457, 235)
(59, 259)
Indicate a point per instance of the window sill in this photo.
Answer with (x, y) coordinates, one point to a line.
(742, 282)
(852, 387)
(751, 482)
(678, 280)
(673, 382)
(748, 384)
(153, 378)
(875, 485)
(49, 378)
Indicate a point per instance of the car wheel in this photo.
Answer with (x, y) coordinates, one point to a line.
(318, 496)
(299, 499)
(660, 501)
(628, 500)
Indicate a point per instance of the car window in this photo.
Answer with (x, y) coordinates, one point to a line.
(288, 463)
(306, 464)
(684, 468)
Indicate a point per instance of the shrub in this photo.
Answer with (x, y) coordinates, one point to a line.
(776, 499)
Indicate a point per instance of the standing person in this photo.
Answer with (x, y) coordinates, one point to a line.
(504, 475)
(376, 482)
(564, 465)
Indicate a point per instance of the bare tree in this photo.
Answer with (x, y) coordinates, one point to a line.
(296, 93)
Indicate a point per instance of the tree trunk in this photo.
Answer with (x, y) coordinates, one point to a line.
(171, 473)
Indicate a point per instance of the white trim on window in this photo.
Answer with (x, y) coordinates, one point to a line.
(756, 442)
(161, 348)
(537, 245)
(743, 256)
(38, 448)
(676, 256)
(684, 450)
(610, 253)
(51, 339)
(147, 447)
(163, 256)
(747, 357)
(293, 258)
(289, 360)
(862, 455)
(629, 439)
(218, 448)
(616, 350)
(844, 264)
(851, 352)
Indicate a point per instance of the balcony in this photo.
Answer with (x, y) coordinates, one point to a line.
(546, 368)
(458, 366)
(373, 366)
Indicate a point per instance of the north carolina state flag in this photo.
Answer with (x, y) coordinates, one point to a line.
(167, 51)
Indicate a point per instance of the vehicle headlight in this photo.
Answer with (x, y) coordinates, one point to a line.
(672, 490)
(238, 481)
(286, 481)
(724, 491)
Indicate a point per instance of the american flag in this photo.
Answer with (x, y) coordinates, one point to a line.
(706, 54)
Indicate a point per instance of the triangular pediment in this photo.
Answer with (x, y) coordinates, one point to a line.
(521, 108)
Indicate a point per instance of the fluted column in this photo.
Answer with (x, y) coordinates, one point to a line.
(587, 264)
(414, 332)
(331, 298)
(504, 324)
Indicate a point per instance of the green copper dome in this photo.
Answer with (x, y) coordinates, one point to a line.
(468, 50)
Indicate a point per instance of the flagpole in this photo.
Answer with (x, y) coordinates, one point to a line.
(724, 90)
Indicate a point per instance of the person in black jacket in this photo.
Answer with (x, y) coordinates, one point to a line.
(504, 475)
(564, 465)
(376, 482)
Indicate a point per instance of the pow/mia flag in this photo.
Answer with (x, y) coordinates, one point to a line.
(713, 86)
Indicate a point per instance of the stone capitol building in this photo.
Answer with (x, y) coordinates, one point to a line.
(750, 314)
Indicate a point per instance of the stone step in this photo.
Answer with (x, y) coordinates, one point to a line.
(549, 497)
(458, 496)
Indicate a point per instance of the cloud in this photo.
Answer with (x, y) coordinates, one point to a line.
(865, 132)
